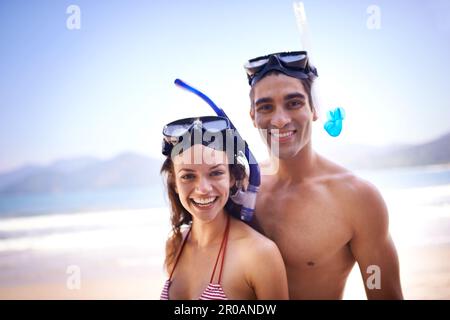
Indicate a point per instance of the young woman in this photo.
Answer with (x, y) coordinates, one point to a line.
(210, 253)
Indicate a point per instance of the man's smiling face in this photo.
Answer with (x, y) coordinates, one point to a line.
(281, 106)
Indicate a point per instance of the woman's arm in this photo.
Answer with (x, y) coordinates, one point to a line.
(267, 272)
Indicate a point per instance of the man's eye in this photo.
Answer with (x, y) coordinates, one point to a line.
(264, 108)
(295, 104)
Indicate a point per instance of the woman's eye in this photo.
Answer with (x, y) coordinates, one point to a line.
(217, 173)
(264, 108)
(188, 176)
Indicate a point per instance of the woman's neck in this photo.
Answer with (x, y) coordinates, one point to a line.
(207, 233)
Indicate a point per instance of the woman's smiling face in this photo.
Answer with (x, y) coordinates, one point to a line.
(203, 185)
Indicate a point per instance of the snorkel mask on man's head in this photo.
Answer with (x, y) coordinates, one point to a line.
(294, 64)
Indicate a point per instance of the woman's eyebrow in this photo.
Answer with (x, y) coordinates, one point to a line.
(184, 169)
(217, 165)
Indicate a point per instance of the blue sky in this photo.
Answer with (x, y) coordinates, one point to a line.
(108, 87)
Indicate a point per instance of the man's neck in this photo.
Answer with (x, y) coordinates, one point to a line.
(299, 167)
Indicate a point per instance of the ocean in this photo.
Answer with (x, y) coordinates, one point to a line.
(154, 197)
(417, 194)
(50, 203)
(418, 200)
(108, 234)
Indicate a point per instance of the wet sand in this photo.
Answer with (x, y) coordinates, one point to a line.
(119, 255)
(425, 274)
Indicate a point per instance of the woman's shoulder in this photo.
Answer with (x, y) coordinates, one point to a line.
(251, 241)
(251, 250)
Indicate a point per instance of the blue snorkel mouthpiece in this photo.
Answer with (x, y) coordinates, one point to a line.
(242, 202)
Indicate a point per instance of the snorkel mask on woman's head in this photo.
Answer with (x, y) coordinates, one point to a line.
(217, 133)
(190, 131)
(211, 131)
(242, 203)
(294, 64)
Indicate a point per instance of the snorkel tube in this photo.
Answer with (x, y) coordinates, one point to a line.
(243, 201)
(335, 116)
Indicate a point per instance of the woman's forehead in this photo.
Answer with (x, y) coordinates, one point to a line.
(199, 156)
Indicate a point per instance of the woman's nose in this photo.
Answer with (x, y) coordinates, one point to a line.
(203, 185)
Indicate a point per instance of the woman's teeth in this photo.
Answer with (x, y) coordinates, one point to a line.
(204, 201)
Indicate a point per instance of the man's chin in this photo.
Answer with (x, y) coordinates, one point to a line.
(284, 153)
(287, 156)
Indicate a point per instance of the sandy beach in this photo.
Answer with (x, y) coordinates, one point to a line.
(425, 274)
(119, 254)
(424, 271)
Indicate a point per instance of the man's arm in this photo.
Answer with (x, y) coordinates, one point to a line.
(372, 245)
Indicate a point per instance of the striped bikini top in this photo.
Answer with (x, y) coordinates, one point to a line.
(213, 291)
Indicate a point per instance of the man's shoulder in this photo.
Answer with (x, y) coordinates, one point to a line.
(362, 201)
(366, 208)
(356, 193)
(342, 178)
(352, 185)
(360, 190)
(336, 177)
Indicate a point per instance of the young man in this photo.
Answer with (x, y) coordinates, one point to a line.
(321, 216)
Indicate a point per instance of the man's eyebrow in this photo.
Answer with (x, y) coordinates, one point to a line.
(263, 100)
(295, 95)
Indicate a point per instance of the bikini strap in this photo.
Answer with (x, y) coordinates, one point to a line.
(224, 250)
(224, 246)
(179, 253)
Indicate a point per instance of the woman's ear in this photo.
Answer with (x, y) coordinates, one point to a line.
(175, 188)
(232, 180)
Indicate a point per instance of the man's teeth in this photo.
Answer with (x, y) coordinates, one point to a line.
(282, 135)
(204, 201)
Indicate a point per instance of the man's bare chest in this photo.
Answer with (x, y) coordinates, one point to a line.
(310, 228)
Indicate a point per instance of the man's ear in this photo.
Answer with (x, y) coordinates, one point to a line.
(252, 115)
(315, 114)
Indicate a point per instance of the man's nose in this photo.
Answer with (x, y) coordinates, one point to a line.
(280, 118)
(203, 185)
